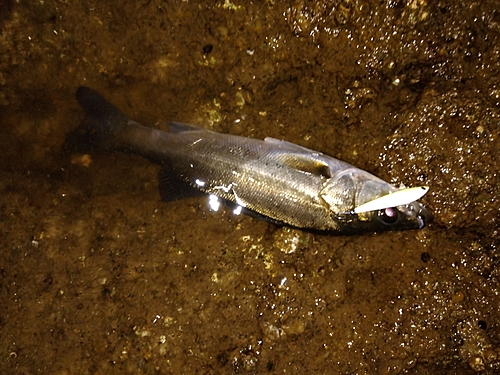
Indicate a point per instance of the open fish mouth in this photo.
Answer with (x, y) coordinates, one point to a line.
(424, 217)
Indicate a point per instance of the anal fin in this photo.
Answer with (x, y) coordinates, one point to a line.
(173, 188)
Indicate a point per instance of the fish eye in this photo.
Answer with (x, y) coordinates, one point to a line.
(389, 215)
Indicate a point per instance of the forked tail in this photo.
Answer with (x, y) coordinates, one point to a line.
(97, 132)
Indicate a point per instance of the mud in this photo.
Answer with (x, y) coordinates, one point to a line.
(97, 276)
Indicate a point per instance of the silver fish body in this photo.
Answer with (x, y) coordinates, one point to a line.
(277, 180)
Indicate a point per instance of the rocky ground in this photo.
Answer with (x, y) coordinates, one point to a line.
(98, 276)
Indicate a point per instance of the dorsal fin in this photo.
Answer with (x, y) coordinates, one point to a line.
(287, 145)
(180, 127)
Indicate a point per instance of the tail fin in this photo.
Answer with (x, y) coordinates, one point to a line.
(97, 131)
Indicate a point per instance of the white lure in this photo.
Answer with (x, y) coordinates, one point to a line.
(398, 198)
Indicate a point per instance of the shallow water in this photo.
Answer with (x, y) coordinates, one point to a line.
(97, 275)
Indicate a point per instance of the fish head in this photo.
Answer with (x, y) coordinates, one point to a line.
(354, 188)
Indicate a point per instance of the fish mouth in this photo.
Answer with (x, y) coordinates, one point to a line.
(416, 211)
(424, 217)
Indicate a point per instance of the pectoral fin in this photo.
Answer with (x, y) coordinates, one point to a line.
(296, 158)
(307, 165)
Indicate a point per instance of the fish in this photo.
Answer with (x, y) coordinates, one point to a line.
(275, 180)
